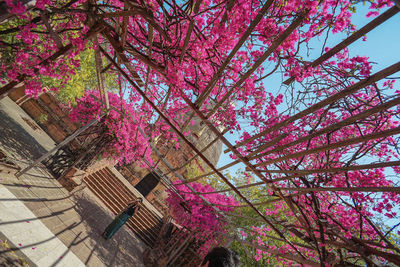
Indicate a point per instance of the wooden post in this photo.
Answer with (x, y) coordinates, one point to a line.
(183, 137)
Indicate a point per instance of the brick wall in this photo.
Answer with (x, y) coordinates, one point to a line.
(176, 157)
(58, 127)
(46, 111)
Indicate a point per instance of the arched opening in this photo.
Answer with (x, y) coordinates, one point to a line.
(147, 184)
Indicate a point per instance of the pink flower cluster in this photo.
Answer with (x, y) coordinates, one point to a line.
(173, 74)
(122, 125)
(34, 48)
(190, 211)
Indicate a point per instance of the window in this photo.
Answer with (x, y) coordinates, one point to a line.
(148, 183)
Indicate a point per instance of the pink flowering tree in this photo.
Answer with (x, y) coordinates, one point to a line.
(123, 142)
(190, 211)
(326, 167)
(191, 61)
(295, 164)
(37, 44)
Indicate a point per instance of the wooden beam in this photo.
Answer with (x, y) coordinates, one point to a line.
(182, 136)
(151, 38)
(339, 144)
(343, 189)
(233, 163)
(239, 44)
(100, 74)
(347, 91)
(53, 34)
(277, 42)
(189, 31)
(145, 59)
(119, 50)
(349, 40)
(338, 169)
(124, 26)
(332, 127)
(6, 89)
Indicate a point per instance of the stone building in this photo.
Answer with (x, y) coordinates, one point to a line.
(47, 112)
(149, 182)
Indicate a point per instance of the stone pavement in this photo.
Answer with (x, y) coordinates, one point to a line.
(34, 239)
(77, 219)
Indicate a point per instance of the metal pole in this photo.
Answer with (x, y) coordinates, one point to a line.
(182, 136)
(63, 143)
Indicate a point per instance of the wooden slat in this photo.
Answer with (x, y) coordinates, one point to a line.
(143, 218)
(109, 204)
(115, 209)
(121, 186)
(116, 196)
(352, 38)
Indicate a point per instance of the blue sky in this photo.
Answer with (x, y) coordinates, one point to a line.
(382, 47)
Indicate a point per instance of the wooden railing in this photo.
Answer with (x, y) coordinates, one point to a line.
(176, 246)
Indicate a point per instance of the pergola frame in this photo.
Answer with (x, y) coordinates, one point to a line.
(116, 37)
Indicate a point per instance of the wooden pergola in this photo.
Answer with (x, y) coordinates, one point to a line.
(102, 23)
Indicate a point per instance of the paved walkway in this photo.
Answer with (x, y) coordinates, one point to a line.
(76, 220)
(20, 226)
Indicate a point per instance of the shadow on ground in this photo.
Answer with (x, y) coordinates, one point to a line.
(124, 249)
(17, 140)
(77, 220)
(78, 223)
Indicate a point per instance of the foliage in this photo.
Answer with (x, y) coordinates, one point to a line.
(193, 170)
(31, 45)
(336, 131)
(83, 79)
(82, 70)
(202, 220)
(122, 123)
(42, 118)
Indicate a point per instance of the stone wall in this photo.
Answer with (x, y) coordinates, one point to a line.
(201, 137)
(47, 112)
